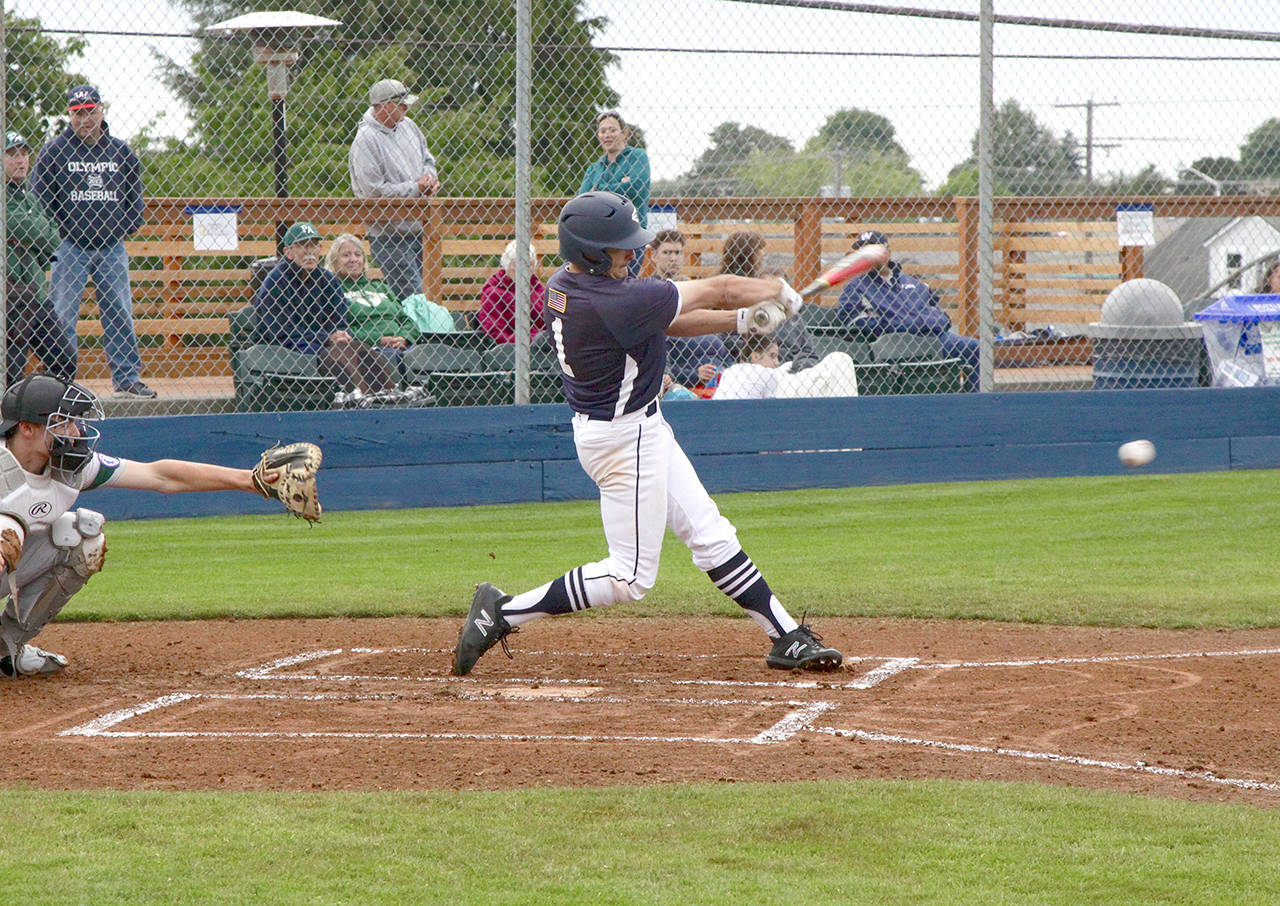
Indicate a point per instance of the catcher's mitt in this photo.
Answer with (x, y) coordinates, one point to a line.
(10, 550)
(295, 484)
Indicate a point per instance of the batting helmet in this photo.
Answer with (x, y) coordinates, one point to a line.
(595, 221)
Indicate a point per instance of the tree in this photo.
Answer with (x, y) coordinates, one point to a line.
(1027, 158)
(817, 173)
(1260, 153)
(459, 57)
(37, 79)
(717, 171)
(858, 133)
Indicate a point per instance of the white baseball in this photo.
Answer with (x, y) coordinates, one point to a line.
(1137, 453)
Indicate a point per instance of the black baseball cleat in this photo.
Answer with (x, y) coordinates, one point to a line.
(484, 628)
(802, 649)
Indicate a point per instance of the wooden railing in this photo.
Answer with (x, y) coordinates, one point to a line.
(1055, 258)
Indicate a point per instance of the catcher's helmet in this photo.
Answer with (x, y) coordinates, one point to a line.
(595, 221)
(43, 399)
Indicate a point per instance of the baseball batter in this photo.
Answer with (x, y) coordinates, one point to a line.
(609, 333)
(48, 551)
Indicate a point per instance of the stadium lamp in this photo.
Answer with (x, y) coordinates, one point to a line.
(276, 37)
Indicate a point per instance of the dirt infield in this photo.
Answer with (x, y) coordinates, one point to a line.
(369, 704)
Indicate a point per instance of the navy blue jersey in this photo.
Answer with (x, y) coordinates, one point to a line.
(610, 339)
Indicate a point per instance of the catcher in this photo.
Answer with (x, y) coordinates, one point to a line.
(48, 548)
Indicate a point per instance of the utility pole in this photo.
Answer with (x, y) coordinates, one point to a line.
(1089, 144)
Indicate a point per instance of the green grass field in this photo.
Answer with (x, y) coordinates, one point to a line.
(1135, 550)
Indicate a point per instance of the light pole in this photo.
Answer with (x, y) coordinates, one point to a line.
(276, 37)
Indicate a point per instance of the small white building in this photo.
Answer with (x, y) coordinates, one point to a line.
(1241, 241)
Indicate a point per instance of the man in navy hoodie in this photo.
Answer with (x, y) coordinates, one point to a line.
(90, 182)
(886, 300)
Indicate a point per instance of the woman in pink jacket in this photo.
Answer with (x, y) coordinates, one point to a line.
(497, 315)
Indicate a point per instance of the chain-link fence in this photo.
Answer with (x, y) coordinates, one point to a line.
(212, 206)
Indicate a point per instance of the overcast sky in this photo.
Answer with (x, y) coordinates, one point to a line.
(920, 73)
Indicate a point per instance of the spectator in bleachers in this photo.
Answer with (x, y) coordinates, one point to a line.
(667, 252)
(390, 159)
(32, 240)
(692, 362)
(497, 313)
(696, 362)
(760, 375)
(374, 316)
(90, 182)
(886, 300)
(1270, 282)
(743, 254)
(622, 169)
(755, 376)
(301, 306)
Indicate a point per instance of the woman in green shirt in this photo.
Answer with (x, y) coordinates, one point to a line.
(623, 169)
(375, 315)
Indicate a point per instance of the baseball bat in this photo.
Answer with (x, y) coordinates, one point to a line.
(856, 262)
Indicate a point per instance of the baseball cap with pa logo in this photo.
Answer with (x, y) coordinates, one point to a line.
(83, 97)
(15, 140)
(299, 232)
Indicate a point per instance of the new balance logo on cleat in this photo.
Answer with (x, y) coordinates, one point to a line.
(802, 649)
(484, 628)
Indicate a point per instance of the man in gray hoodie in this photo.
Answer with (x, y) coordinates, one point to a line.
(390, 159)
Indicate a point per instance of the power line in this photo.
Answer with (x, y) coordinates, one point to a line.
(1172, 31)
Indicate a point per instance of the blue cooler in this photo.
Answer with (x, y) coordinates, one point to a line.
(1242, 334)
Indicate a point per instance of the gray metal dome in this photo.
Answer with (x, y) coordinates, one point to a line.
(1142, 303)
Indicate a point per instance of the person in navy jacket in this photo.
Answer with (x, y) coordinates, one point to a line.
(887, 300)
(302, 306)
(90, 182)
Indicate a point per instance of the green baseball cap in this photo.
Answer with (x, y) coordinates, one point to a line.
(299, 232)
(15, 140)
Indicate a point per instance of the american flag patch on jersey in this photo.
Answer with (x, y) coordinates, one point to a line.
(557, 300)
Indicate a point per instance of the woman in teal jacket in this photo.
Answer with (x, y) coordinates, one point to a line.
(623, 169)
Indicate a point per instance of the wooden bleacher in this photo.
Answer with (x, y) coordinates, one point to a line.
(1055, 258)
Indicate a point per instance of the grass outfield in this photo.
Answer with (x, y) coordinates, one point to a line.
(868, 842)
(1134, 550)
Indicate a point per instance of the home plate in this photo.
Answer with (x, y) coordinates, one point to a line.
(531, 692)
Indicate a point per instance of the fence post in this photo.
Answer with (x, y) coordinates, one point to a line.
(1131, 262)
(433, 255)
(967, 268)
(808, 233)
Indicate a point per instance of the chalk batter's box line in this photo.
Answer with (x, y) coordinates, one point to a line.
(1053, 757)
(800, 718)
(796, 721)
(887, 668)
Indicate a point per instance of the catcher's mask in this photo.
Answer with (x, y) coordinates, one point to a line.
(595, 221)
(66, 410)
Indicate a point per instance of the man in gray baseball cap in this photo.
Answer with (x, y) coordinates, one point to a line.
(390, 159)
(391, 90)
